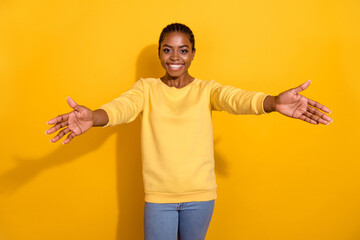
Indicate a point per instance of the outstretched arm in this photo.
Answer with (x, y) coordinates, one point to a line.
(290, 103)
(76, 122)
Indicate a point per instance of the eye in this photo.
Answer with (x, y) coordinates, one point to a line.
(166, 50)
(184, 51)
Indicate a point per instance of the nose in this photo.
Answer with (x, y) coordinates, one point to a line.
(174, 56)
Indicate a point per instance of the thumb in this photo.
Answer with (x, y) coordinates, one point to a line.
(73, 104)
(302, 87)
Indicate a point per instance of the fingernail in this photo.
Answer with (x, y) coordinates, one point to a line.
(45, 132)
(51, 140)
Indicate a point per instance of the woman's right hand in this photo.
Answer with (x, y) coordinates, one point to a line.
(75, 123)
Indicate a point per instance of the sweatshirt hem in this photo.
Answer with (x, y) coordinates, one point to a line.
(156, 197)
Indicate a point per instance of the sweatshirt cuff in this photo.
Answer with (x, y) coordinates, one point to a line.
(260, 106)
(110, 115)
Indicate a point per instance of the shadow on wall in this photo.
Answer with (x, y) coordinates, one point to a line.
(27, 169)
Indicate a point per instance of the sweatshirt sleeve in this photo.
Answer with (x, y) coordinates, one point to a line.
(236, 101)
(127, 107)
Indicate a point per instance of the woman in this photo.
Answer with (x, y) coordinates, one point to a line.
(177, 143)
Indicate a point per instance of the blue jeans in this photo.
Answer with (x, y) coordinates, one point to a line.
(167, 221)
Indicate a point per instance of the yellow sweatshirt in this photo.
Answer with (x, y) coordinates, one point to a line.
(177, 135)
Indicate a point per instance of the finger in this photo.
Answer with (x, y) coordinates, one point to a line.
(307, 119)
(73, 104)
(300, 88)
(57, 127)
(320, 114)
(58, 119)
(69, 138)
(64, 117)
(60, 135)
(318, 105)
(316, 118)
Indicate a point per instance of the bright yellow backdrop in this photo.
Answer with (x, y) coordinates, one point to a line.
(278, 178)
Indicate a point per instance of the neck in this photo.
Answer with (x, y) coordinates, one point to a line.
(177, 82)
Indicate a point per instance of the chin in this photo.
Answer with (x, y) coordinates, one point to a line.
(174, 75)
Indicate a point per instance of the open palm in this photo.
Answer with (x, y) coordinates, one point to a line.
(73, 123)
(292, 104)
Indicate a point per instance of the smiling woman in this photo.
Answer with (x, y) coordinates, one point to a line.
(177, 144)
(176, 52)
(176, 57)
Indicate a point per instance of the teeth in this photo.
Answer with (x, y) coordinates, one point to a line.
(175, 66)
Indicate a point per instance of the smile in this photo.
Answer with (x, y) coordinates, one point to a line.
(175, 67)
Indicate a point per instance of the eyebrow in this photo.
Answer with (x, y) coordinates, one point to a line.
(182, 46)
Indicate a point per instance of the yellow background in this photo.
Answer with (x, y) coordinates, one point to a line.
(278, 178)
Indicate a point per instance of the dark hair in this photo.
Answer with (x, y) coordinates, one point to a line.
(177, 27)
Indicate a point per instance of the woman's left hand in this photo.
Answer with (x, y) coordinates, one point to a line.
(290, 103)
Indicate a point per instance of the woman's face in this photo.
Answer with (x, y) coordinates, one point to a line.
(176, 54)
